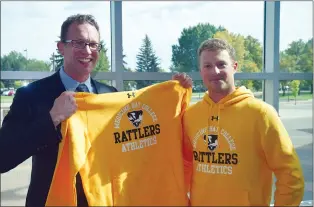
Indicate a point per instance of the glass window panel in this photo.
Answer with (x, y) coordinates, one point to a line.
(165, 36)
(296, 36)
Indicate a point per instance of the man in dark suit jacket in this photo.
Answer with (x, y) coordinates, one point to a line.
(32, 126)
(28, 130)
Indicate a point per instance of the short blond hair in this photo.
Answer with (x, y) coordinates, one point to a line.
(216, 44)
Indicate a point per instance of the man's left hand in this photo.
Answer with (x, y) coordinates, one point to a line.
(184, 79)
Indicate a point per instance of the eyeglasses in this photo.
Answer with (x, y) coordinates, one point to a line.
(80, 44)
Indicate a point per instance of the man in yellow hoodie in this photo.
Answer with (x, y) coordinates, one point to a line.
(234, 142)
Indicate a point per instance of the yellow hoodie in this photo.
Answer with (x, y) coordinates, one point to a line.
(231, 150)
(127, 147)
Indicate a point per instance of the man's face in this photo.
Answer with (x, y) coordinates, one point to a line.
(80, 62)
(217, 70)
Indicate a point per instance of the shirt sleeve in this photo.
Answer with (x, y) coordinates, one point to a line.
(187, 158)
(282, 159)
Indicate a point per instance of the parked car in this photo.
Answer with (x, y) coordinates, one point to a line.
(10, 92)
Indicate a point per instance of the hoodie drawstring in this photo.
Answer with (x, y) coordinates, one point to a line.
(218, 127)
(210, 110)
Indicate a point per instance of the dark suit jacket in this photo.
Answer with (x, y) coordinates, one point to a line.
(28, 131)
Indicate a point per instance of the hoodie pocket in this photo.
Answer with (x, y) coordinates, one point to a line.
(222, 197)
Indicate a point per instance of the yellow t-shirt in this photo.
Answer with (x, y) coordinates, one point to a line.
(127, 147)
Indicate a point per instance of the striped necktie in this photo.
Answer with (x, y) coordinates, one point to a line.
(82, 88)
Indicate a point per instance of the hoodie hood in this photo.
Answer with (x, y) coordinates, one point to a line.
(214, 109)
(240, 94)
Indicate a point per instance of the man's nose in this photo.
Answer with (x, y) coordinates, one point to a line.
(216, 70)
(87, 49)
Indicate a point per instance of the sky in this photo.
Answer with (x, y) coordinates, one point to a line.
(35, 26)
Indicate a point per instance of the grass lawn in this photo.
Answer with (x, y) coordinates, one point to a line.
(6, 99)
(305, 96)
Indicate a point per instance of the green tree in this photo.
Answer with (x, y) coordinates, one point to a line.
(125, 64)
(248, 55)
(289, 64)
(18, 84)
(294, 52)
(237, 42)
(295, 89)
(253, 53)
(298, 57)
(56, 60)
(184, 55)
(103, 61)
(296, 48)
(249, 67)
(103, 64)
(38, 65)
(14, 61)
(147, 61)
(129, 85)
(306, 64)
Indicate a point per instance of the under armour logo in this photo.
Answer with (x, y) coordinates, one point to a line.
(215, 117)
(129, 95)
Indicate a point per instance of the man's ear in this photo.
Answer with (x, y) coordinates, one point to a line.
(60, 46)
(235, 66)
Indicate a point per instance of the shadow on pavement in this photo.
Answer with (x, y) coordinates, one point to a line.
(13, 194)
(310, 130)
(305, 154)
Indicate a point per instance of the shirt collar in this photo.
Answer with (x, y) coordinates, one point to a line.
(70, 84)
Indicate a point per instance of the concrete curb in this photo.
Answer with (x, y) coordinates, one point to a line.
(303, 203)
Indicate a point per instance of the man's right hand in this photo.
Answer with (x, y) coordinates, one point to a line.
(63, 107)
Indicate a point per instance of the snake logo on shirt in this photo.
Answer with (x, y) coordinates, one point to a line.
(137, 132)
(135, 117)
(211, 141)
(214, 159)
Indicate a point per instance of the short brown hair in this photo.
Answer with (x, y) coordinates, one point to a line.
(77, 18)
(215, 44)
